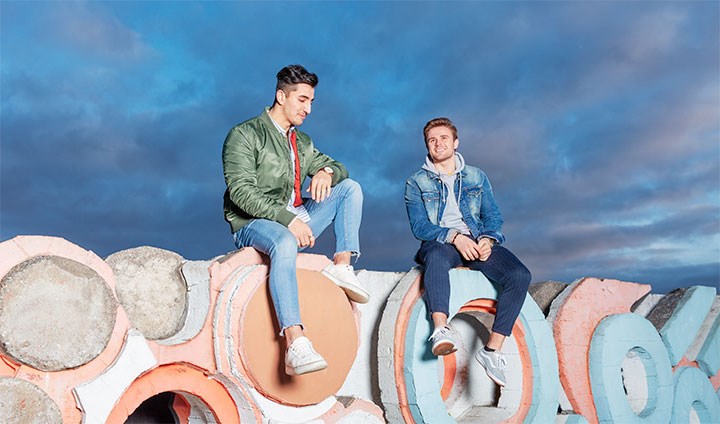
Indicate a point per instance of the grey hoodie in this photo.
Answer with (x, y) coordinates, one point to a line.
(451, 218)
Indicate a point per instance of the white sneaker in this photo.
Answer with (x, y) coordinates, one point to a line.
(344, 276)
(443, 341)
(301, 358)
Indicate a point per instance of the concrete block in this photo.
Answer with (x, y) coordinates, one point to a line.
(55, 313)
(608, 350)
(98, 396)
(692, 390)
(197, 279)
(544, 293)
(24, 402)
(709, 356)
(646, 304)
(151, 289)
(362, 380)
(680, 317)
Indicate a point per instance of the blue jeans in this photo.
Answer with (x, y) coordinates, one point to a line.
(343, 206)
(502, 268)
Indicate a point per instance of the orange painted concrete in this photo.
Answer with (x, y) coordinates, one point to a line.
(329, 323)
(182, 409)
(180, 378)
(413, 295)
(591, 300)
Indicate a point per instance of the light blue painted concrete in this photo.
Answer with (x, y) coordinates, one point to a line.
(682, 327)
(693, 390)
(421, 366)
(613, 338)
(709, 356)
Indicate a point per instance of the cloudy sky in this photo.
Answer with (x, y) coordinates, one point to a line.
(597, 122)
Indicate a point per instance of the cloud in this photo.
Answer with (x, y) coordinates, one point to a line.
(596, 122)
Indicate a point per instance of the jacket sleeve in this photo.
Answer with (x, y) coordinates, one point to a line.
(490, 215)
(321, 160)
(240, 172)
(420, 224)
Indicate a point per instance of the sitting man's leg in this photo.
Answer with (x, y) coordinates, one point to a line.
(506, 270)
(343, 207)
(438, 259)
(276, 241)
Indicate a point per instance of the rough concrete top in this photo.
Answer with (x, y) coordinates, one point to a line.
(24, 402)
(664, 309)
(55, 313)
(151, 289)
(544, 293)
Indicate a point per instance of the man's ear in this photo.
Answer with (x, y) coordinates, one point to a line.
(280, 97)
(456, 143)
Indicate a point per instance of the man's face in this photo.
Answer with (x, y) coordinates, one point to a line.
(296, 105)
(441, 144)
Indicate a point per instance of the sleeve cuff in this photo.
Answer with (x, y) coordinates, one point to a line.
(285, 217)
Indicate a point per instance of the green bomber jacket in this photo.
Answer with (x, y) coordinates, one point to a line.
(259, 173)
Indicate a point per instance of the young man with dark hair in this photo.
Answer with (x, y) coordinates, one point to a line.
(265, 161)
(453, 212)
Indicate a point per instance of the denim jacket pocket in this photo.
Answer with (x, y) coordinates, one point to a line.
(474, 199)
(431, 200)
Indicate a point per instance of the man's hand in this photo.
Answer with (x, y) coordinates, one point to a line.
(320, 186)
(485, 247)
(467, 247)
(302, 233)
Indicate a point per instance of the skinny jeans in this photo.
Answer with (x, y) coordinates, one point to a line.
(502, 268)
(343, 207)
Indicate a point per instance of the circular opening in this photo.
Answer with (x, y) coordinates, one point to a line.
(639, 379)
(157, 409)
(470, 395)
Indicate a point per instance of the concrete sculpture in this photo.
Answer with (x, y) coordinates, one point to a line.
(87, 340)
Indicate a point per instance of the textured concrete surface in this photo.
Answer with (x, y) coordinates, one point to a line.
(151, 289)
(544, 293)
(664, 309)
(55, 313)
(23, 402)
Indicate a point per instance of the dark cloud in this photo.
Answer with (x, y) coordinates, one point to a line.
(596, 122)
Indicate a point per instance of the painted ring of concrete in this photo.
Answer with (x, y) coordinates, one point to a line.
(24, 402)
(329, 323)
(609, 346)
(418, 390)
(182, 379)
(55, 301)
(574, 314)
(692, 389)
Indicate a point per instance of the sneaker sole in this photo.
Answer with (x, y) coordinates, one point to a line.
(443, 349)
(498, 382)
(353, 292)
(306, 369)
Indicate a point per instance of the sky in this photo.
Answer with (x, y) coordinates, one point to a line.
(598, 123)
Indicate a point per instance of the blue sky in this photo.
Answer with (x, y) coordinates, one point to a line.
(598, 123)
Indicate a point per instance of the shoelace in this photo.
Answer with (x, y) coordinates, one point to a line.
(439, 332)
(501, 362)
(302, 349)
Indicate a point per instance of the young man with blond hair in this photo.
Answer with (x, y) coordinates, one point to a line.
(453, 212)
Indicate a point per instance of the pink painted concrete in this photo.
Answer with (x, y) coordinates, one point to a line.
(58, 385)
(590, 301)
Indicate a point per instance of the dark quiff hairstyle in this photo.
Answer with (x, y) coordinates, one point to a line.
(293, 75)
(440, 122)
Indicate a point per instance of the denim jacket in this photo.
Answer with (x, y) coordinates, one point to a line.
(425, 197)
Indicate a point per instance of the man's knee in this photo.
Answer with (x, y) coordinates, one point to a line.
(439, 254)
(284, 246)
(351, 187)
(520, 276)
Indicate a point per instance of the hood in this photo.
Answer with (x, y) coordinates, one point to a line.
(459, 164)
